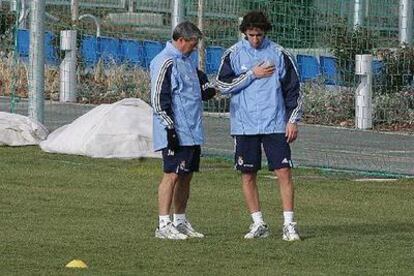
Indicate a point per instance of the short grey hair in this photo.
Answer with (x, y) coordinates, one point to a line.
(186, 30)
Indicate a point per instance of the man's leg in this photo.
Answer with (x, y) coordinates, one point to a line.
(259, 228)
(166, 229)
(181, 196)
(166, 192)
(247, 158)
(189, 163)
(279, 159)
(251, 192)
(284, 176)
(182, 193)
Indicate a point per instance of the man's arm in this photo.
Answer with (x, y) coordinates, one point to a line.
(291, 91)
(292, 96)
(161, 98)
(227, 81)
(207, 88)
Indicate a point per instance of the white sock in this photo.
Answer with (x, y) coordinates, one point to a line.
(164, 220)
(288, 217)
(179, 218)
(257, 217)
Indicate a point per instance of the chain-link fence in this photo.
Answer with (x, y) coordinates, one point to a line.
(116, 40)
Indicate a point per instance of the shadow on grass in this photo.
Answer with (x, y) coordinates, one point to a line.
(386, 228)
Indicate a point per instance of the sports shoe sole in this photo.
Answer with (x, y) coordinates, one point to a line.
(159, 236)
(290, 240)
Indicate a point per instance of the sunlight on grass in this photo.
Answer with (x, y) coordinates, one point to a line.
(56, 208)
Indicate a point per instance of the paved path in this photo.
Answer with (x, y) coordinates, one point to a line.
(333, 147)
(318, 146)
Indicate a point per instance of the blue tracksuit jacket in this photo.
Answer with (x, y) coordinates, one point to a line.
(177, 90)
(260, 106)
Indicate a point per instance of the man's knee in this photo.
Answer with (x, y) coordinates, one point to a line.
(171, 178)
(249, 178)
(283, 173)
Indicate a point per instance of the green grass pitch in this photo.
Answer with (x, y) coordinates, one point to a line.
(56, 208)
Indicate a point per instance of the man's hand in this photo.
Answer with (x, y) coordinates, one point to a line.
(172, 138)
(291, 132)
(263, 70)
(208, 94)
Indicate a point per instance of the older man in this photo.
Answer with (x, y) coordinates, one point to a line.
(177, 91)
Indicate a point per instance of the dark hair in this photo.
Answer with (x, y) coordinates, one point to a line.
(255, 19)
(186, 30)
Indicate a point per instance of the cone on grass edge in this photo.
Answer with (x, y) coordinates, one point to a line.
(76, 264)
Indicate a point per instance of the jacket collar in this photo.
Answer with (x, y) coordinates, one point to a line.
(171, 49)
(264, 44)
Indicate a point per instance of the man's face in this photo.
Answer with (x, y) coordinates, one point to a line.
(186, 46)
(255, 37)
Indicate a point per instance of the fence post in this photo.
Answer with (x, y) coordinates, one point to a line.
(241, 35)
(14, 5)
(68, 83)
(74, 8)
(406, 22)
(201, 46)
(14, 8)
(358, 13)
(131, 6)
(37, 61)
(363, 94)
(24, 11)
(68, 87)
(178, 11)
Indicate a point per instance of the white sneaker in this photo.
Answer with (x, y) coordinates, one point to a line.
(169, 232)
(186, 229)
(258, 231)
(290, 232)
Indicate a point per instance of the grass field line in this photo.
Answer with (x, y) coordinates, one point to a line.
(375, 179)
(361, 153)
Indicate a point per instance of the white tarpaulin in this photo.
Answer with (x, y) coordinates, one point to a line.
(119, 130)
(19, 130)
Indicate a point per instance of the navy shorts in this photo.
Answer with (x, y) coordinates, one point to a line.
(248, 152)
(185, 160)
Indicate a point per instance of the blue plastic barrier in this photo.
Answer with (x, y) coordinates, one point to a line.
(377, 67)
(23, 46)
(213, 58)
(151, 49)
(51, 50)
(89, 50)
(109, 50)
(308, 67)
(23, 42)
(329, 70)
(93, 49)
(132, 52)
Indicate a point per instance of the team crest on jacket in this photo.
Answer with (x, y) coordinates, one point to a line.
(240, 161)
